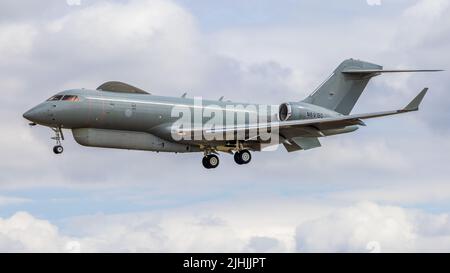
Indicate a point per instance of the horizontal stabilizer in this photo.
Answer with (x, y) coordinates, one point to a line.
(376, 71)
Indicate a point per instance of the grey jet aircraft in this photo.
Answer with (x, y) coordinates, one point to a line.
(118, 115)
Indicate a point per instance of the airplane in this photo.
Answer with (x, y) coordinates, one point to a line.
(119, 115)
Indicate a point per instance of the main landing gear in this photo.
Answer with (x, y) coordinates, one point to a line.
(211, 161)
(58, 148)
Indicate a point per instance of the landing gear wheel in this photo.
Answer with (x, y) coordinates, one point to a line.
(58, 149)
(242, 157)
(210, 161)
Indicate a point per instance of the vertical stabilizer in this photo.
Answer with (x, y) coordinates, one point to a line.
(341, 90)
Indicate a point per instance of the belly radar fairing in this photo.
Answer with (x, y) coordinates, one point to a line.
(118, 115)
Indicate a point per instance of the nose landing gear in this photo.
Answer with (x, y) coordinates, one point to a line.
(58, 148)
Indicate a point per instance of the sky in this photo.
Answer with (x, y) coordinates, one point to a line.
(384, 188)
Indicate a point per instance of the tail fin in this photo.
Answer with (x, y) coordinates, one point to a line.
(341, 90)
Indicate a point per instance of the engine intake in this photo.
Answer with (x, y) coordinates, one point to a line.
(284, 111)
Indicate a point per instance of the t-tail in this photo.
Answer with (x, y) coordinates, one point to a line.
(342, 89)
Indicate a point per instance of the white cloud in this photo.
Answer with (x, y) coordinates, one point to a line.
(23, 232)
(351, 229)
(362, 227)
(369, 226)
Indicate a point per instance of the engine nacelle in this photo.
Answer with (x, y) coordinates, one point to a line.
(298, 110)
(290, 111)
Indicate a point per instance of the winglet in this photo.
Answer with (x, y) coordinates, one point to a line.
(414, 104)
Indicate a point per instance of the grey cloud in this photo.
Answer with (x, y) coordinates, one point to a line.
(30, 10)
(263, 244)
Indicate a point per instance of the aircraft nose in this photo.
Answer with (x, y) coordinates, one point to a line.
(35, 114)
(29, 114)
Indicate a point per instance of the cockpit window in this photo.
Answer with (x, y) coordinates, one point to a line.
(56, 97)
(70, 98)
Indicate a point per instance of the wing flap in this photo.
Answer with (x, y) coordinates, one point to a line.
(307, 143)
(291, 147)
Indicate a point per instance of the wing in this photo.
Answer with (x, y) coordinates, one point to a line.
(316, 124)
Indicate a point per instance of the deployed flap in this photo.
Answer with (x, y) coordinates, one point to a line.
(301, 143)
(306, 142)
(115, 86)
(291, 147)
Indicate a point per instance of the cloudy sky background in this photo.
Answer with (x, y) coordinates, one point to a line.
(383, 188)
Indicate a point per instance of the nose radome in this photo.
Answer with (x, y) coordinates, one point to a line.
(35, 114)
(29, 115)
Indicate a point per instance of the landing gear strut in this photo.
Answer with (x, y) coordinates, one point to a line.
(58, 148)
(242, 157)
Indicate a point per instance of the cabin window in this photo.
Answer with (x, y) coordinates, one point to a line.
(70, 98)
(54, 98)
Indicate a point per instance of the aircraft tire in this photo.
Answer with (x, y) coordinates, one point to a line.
(210, 161)
(237, 158)
(205, 162)
(242, 157)
(58, 149)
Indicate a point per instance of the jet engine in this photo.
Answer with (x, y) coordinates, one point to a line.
(298, 110)
(289, 111)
